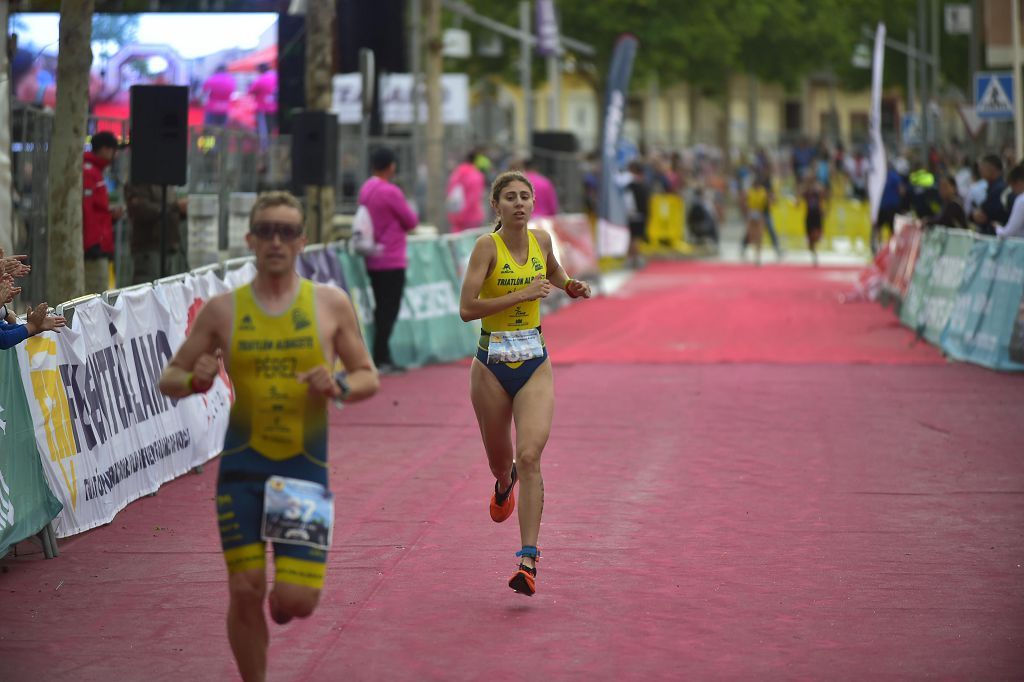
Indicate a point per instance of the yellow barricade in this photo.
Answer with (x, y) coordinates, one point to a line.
(665, 226)
(847, 225)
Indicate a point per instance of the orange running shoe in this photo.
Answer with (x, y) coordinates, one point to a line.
(502, 504)
(524, 580)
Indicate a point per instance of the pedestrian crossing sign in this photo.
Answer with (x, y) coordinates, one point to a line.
(993, 95)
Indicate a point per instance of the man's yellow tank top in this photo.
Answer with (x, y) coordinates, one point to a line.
(509, 276)
(275, 414)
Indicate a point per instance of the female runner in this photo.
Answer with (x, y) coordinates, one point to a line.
(509, 271)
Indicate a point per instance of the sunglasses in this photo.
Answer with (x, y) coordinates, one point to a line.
(286, 231)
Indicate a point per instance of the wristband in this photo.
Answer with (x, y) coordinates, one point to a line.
(192, 385)
(340, 380)
(567, 283)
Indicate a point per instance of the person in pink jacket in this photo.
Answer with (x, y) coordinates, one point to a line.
(545, 201)
(392, 219)
(464, 195)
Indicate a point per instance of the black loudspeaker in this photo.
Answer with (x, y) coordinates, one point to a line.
(314, 148)
(159, 134)
(291, 69)
(555, 141)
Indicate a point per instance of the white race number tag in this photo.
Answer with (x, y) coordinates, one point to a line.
(514, 346)
(297, 512)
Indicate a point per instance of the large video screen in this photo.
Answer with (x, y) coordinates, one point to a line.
(228, 62)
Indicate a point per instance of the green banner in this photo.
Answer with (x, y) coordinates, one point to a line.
(988, 315)
(937, 276)
(26, 503)
(429, 328)
(947, 275)
(357, 284)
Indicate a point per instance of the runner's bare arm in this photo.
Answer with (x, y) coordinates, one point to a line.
(557, 275)
(360, 372)
(481, 262)
(195, 365)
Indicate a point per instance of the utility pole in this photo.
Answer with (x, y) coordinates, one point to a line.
(911, 74)
(6, 200)
(435, 126)
(525, 64)
(922, 38)
(1018, 115)
(416, 48)
(936, 92)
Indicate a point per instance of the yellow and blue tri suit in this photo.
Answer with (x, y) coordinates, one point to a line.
(506, 277)
(276, 427)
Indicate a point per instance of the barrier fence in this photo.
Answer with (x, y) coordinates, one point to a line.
(961, 291)
(85, 431)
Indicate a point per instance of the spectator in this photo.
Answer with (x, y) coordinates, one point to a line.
(545, 202)
(144, 212)
(97, 215)
(888, 206)
(464, 195)
(638, 201)
(1015, 224)
(11, 268)
(976, 191)
(264, 93)
(37, 319)
(392, 219)
(992, 209)
(952, 212)
(218, 90)
(856, 168)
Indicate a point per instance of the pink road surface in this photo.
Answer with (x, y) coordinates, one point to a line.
(746, 479)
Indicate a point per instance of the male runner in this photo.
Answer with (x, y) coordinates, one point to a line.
(279, 337)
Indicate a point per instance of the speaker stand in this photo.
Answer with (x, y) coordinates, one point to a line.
(163, 230)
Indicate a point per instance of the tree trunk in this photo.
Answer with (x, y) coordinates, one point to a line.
(320, 28)
(435, 127)
(6, 214)
(65, 266)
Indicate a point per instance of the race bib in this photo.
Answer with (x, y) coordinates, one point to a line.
(514, 346)
(297, 512)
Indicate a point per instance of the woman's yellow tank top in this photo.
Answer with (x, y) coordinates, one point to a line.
(509, 276)
(273, 412)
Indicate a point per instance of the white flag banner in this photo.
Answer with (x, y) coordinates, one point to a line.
(106, 434)
(878, 170)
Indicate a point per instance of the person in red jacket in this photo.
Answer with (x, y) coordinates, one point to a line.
(97, 216)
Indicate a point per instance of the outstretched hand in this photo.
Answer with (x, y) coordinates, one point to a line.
(7, 289)
(320, 380)
(14, 265)
(39, 321)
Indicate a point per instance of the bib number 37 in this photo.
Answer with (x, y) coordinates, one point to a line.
(297, 512)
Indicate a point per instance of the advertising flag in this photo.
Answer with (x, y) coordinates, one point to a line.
(612, 233)
(878, 170)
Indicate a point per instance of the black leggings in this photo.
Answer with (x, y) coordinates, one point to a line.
(387, 294)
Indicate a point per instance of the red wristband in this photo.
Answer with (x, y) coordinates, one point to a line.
(571, 295)
(195, 389)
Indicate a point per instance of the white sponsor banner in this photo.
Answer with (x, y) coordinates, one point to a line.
(106, 434)
(396, 98)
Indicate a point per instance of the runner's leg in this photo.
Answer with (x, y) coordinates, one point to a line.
(247, 628)
(493, 409)
(533, 408)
